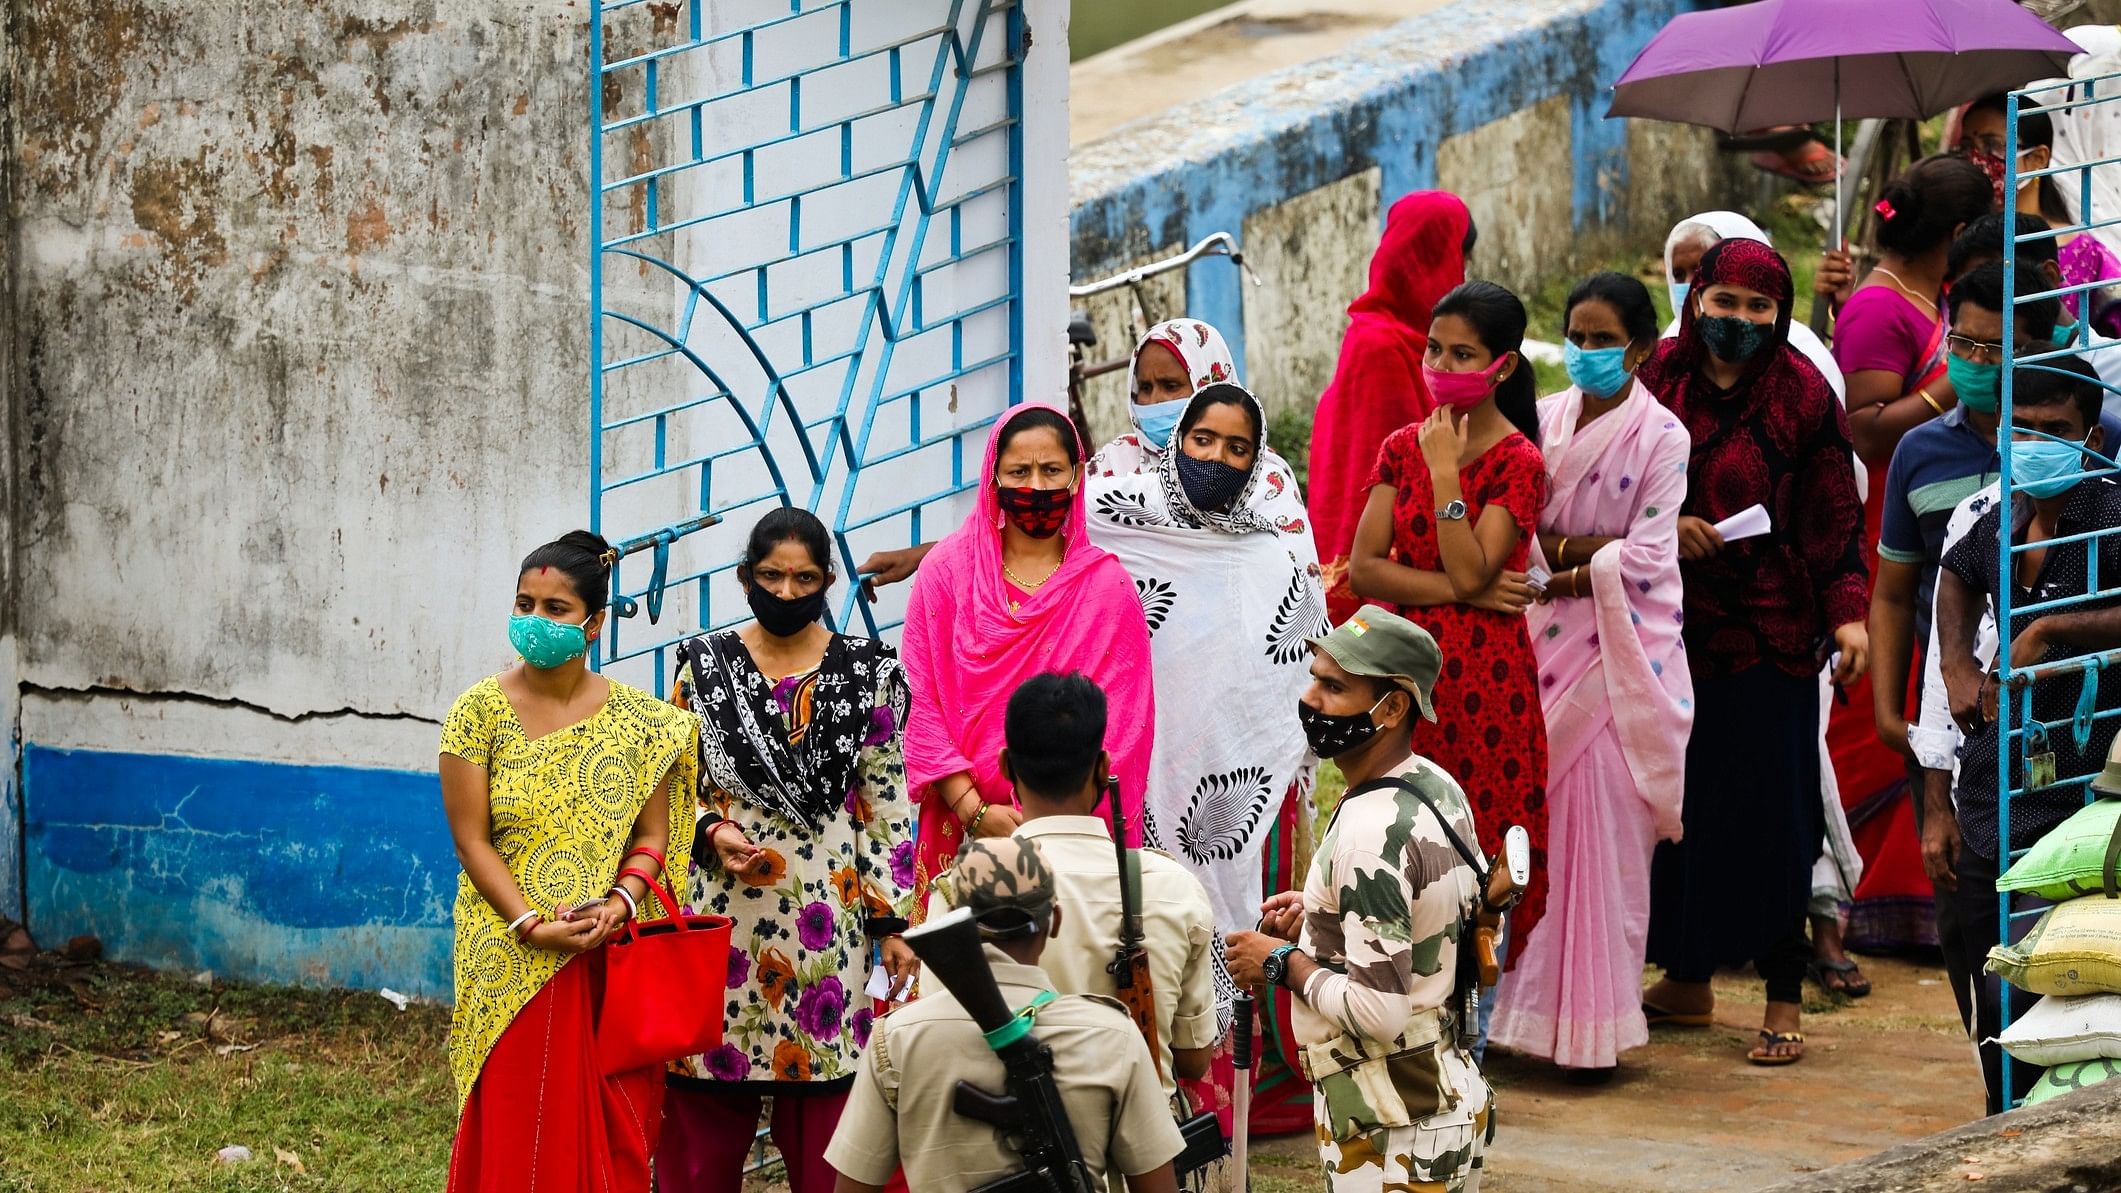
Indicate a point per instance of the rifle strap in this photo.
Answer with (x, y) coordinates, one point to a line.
(1019, 1024)
(1472, 858)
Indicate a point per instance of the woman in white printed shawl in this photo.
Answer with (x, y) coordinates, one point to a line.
(1212, 527)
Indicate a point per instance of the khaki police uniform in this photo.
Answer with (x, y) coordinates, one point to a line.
(899, 1111)
(1178, 929)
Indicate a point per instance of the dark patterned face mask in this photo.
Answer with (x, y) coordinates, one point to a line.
(1210, 484)
(1331, 736)
(1733, 339)
(1039, 513)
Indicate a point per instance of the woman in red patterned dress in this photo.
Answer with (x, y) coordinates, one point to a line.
(1454, 503)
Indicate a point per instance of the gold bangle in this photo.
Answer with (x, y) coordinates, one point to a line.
(1561, 552)
(1925, 396)
(972, 825)
(1576, 581)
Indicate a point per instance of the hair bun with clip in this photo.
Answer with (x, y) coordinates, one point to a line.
(608, 558)
(1885, 210)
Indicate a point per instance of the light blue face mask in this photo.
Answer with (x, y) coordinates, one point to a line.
(2063, 334)
(2045, 468)
(1599, 372)
(1157, 420)
(545, 643)
(1678, 291)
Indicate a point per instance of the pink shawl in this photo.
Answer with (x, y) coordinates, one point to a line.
(965, 651)
(1616, 656)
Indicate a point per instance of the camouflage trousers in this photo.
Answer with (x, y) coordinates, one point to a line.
(1439, 1154)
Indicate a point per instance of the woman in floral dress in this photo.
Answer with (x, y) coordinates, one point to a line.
(806, 844)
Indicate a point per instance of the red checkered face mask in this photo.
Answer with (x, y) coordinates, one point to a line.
(1039, 513)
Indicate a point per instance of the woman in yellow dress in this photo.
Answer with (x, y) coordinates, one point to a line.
(565, 791)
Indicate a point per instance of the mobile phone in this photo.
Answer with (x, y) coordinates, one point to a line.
(1517, 854)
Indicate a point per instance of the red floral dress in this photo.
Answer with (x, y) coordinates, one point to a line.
(1489, 732)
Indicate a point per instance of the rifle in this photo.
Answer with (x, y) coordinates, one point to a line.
(1132, 984)
(1029, 1111)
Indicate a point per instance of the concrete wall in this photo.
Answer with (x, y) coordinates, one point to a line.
(297, 323)
(1501, 101)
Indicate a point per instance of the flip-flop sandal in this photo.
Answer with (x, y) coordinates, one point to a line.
(1776, 1039)
(1853, 983)
(1657, 1015)
(1824, 167)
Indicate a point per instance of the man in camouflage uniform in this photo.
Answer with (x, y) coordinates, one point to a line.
(1380, 1009)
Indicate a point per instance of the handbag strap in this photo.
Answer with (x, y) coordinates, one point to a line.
(670, 905)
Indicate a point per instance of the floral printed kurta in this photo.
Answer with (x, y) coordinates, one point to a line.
(799, 954)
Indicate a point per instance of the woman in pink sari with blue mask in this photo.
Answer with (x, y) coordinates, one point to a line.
(1018, 589)
(1613, 683)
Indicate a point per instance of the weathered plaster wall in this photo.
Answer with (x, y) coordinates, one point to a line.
(10, 685)
(1502, 101)
(298, 313)
(298, 316)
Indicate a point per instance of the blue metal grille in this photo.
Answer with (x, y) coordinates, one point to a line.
(805, 263)
(2020, 733)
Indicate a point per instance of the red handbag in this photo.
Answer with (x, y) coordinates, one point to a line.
(663, 989)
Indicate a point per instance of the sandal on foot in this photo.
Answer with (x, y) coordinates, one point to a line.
(1852, 982)
(1657, 1015)
(1760, 1055)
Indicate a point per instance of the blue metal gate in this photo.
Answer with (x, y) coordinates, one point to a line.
(805, 268)
(2020, 734)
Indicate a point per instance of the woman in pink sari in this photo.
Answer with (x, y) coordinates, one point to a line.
(1613, 684)
(1017, 590)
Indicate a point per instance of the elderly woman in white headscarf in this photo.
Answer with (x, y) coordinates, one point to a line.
(1840, 866)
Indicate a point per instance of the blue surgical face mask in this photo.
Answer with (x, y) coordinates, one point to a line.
(2064, 332)
(1979, 385)
(545, 643)
(1678, 291)
(1599, 372)
(1157, 420)
(2045, 468)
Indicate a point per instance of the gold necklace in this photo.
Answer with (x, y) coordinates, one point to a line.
(1906, 289)
(1028, 587)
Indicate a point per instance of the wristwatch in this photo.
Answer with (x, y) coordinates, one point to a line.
(1454, 512)
(1276, 966)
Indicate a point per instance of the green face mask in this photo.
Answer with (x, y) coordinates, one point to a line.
(1979, 386)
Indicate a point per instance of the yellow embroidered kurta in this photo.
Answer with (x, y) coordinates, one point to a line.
(563, 809)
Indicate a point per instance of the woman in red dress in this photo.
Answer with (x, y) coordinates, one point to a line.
(1454, 502)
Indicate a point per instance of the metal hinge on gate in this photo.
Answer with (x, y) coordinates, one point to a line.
(658, 577)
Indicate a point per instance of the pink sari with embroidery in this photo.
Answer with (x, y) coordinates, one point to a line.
(1618, 699)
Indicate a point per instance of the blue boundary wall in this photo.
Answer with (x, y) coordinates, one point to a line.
(315, 875)
(1387, 102)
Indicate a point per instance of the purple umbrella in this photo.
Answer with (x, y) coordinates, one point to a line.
(1780, 62)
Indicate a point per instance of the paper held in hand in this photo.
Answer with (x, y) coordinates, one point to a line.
(1745, 524)
(879, 986)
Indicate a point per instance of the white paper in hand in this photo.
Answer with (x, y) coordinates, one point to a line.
(1745, 524)
(880, 985)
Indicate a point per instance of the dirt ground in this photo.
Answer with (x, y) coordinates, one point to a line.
(1687, 1113)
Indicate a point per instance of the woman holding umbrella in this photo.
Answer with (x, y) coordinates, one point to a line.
(1759, 615)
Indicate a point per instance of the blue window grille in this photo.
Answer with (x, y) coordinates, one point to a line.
(2020, 734)
(805, 262)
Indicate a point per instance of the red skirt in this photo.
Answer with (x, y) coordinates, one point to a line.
(543, 1118)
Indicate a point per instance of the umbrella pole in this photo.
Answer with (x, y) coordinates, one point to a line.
(1840, 168)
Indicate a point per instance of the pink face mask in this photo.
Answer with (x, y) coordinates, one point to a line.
(1462, 390)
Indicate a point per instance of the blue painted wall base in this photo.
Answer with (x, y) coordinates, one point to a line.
(310, 875)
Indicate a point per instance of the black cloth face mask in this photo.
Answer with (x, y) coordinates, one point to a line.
(1331, 736)
(1210, 484)
(784, 617)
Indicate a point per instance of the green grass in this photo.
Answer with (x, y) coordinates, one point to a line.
(119, 1079)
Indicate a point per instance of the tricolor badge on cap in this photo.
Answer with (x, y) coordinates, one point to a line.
(1357, 626)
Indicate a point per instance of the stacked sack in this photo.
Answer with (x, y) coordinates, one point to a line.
(2072, 957)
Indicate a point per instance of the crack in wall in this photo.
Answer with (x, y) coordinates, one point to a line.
(93, 691)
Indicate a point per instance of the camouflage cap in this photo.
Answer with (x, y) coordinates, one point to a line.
(1005, 884)
(1382, 644)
